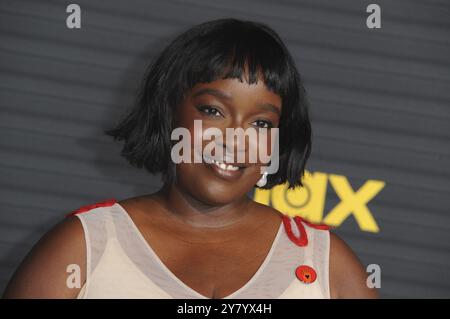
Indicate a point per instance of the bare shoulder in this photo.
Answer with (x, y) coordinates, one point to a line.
(268, 211)
(139, 208)
(347, 274)
(44, 271)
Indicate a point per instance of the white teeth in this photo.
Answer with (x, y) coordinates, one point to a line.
(225, 166)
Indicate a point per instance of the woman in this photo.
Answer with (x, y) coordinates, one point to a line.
(201, 236)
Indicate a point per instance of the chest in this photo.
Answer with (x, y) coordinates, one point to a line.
(213, 270)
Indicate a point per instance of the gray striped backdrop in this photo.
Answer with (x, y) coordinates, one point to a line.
(380, 110)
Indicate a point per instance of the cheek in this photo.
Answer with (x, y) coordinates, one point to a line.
(207, 139)
(263, 147)
(194, 139)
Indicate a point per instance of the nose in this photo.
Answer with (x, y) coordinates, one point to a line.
(234, 147)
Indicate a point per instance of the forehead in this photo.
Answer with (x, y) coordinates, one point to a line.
(234, 90)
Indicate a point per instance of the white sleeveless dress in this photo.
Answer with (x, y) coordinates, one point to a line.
(121, 264)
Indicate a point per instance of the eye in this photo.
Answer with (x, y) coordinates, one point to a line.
(263, 124)
(209, 110)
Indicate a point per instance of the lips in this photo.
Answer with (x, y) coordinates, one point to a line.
(224, 170)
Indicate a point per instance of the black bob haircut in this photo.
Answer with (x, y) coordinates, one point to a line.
(213, 50)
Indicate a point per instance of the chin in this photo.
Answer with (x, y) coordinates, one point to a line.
(211, 187)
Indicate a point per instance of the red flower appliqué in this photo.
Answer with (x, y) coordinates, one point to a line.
(306, 274)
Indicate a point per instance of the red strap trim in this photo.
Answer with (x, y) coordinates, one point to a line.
(303, 239)
(316, 226)
(86, 208)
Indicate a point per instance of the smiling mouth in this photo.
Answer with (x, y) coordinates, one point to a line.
(224, 165)
(224, 170)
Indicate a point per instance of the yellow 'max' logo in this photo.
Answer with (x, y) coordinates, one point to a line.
(309, 201)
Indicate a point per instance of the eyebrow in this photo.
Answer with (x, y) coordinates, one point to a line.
(269, 107)
(220, 94)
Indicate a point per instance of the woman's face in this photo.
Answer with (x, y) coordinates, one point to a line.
(222, 104)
